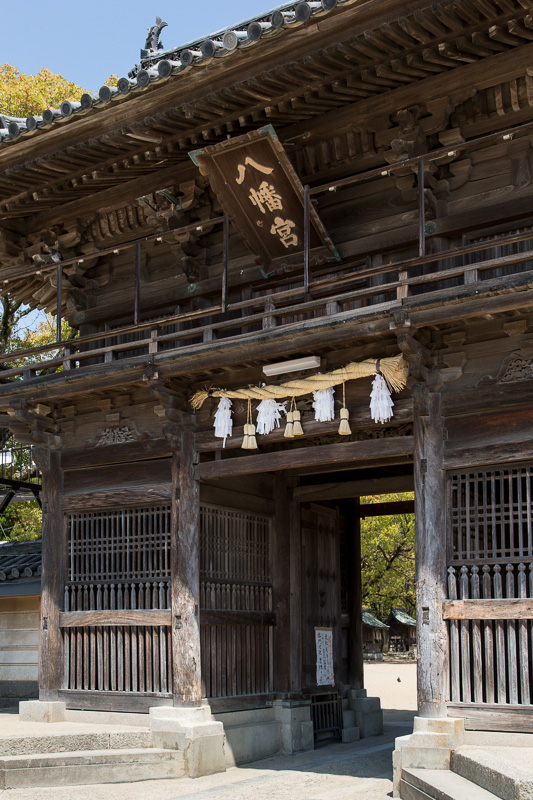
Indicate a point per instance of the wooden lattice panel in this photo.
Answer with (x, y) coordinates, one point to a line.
(490, 659)
(235, 545)
(119, 545)
(490, 516)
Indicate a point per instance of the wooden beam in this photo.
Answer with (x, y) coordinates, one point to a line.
(349, 489)
(305, 456)
(387, 509)
(228, 617)
(488, 609)
(74, 619)
(482, 74)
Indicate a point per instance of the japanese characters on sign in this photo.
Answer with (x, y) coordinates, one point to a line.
(266, 199)
(324, 656)
(260, 191)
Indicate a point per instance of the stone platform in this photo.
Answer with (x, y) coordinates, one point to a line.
(441, 761)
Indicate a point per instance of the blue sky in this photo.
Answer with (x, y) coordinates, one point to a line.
(88, 41)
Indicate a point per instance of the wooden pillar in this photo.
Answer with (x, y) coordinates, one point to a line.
(430, 551)
(185, 575)
(281, 584)
(54, 559)
(355, 593)
(295, 533)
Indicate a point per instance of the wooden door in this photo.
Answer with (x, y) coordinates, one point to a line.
(320, 585)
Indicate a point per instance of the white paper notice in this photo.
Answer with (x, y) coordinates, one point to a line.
(324, 656)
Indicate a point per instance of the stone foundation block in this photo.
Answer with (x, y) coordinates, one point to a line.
(194, 732)
(428, 747)
(348, 718)
(41, 711)
(370, 723)
(448, 730)
(350, 735)
(297, 732)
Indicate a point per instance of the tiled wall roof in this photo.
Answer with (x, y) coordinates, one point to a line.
(20, 560)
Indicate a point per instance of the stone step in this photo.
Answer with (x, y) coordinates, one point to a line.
(506, 771)
(90, 766)
(439, 784)
(22, 744)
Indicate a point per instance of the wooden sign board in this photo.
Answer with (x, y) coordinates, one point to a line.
(263, 196)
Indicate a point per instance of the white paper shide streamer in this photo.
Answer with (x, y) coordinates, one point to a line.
(223, 422)
(269, 415)
(324, 404)
(380, 400)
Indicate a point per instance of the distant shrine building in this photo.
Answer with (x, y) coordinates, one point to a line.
(251, 237)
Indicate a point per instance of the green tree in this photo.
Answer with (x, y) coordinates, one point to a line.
(23, 520)
(388, 559)
(22, 95)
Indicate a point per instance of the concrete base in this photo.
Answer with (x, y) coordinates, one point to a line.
(296, 725)
(428, 747)
(40, 711)
(368, 716)
(250, 735)
(194, 732)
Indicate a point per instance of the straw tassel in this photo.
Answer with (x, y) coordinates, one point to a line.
(296, 423)
(289, 427)
(344, 425)
(249, 442)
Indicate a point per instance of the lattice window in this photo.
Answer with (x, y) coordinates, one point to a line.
(235, 545)
(490, 514)
(119, 545)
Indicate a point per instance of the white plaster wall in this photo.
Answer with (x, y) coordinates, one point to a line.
(19, 638)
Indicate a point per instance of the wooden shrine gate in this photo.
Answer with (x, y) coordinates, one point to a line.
(116, 623)
(490, 591)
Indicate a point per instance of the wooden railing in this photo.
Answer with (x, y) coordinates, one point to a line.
(489, 616)
(354, 290)
(350, 285)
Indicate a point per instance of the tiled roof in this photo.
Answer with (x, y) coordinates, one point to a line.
(402, 616)
(159, 65)
(371, 620)
(19, 560)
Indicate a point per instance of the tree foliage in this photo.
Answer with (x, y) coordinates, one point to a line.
(23, 520)
(388, 559)
(22, 95)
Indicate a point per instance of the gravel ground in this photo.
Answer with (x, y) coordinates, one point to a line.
(358, 771)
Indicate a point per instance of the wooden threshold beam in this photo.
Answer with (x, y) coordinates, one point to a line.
(323, 455)
(386, 509)
(351, 489)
